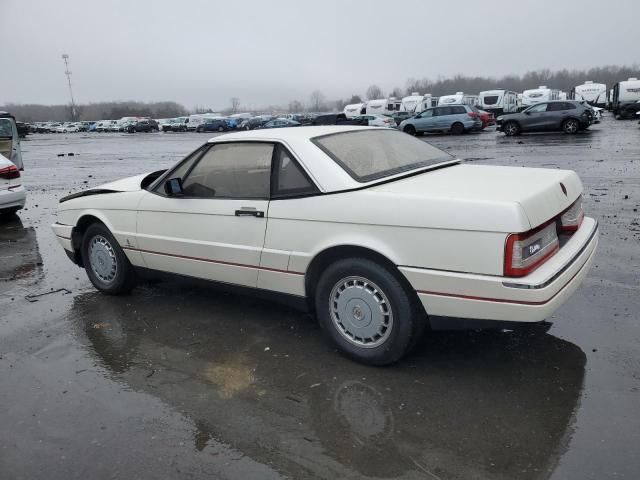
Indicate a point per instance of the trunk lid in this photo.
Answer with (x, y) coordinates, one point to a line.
(539, 191)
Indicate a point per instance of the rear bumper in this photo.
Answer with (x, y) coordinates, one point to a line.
(528, 299)
(13, 198)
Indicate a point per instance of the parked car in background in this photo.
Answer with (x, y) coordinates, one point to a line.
(103, 126)
(456, 119)
(487, 118)
(12, 193)
(213, 125)
(327, 215)
(568, 116)
(176, 125)
(280, 123)
(10, 140)
(398, 117)
(146, 125)
(68, 128)
(255, 122)
(378, 120)
(339, 119)
(23, 129)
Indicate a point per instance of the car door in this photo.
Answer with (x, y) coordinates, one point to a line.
(424, 122)
(534, 117)
(442, 120)
(214, 228)
(557, 113)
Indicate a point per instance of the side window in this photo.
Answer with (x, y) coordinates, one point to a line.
(231, 170)
(289, 177)
(458, 110)
(541, 107)
(426, 114)
(569, 106)
(181, 170)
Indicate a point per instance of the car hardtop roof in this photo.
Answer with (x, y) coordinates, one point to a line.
(291, 133)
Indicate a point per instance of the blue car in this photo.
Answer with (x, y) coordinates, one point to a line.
(456, 119)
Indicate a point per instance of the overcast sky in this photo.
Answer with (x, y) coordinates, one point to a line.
(269, 52)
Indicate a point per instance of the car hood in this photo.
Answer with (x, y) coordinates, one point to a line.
(493, 196)
(129, 184)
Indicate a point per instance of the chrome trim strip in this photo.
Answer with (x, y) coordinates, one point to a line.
(559, 272)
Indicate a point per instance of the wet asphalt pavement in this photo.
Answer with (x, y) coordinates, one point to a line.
(183, 381)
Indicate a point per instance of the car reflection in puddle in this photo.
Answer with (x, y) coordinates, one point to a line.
(260, 377)
(19, 255)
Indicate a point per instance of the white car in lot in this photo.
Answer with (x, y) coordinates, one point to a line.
(12, 193)
(375, 229)
(378, 120)
(68, 128)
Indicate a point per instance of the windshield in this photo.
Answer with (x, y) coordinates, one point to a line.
(373, 154)
(6, 128)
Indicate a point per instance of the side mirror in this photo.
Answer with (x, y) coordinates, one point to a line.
(173, 187)
(527, 113)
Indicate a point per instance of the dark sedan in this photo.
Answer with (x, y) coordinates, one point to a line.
(213, 125)
(567, 116)
(280, 123)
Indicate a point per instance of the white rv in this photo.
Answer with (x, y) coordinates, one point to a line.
(416, 103)
(626, 98)
(498, 101)
(595, 94)
(460, 98)
(383, 106)
(538, 95)
(354, 110)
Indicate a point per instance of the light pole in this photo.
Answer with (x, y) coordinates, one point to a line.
(65, 57)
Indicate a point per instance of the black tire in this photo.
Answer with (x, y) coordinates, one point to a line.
(391, 340)
(9, 211)
(511, 129)
(199, 130)
(124, 277)
(457, 128)
(570, 126)
(410, 129)
(221, 129)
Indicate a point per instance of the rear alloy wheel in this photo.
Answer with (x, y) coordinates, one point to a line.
(366, 311)
(571, 126)
(410, 129)
(106, 264)
(457, 128)
(511, 128)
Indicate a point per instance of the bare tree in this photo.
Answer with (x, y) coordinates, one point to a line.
(397, 93)
(235, 104)
(295, 106)
(374, 92)
(317, 100)
(355, 99)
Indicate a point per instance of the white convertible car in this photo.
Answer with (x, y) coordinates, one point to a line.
(378, 230)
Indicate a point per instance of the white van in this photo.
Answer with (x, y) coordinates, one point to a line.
(416, 103)
(354, 110)
(383, 106)
(498, 101)
(538, 95)
(460, 98)
(626, 96)
(595, 94)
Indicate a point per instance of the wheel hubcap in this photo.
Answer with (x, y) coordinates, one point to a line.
(361, 312)
(571, 127)
(102, 258)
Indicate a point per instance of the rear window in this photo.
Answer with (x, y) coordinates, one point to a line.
(373, 154)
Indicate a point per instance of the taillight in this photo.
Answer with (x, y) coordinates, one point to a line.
(572, 217)
(9, 173)
(524, 252)
(472, 114)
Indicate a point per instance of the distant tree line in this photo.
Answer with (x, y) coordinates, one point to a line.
(95, 111)
(317, 102)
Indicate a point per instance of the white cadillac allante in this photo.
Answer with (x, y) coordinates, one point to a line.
(378, 230)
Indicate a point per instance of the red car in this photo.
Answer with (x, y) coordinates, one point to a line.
(487, 118)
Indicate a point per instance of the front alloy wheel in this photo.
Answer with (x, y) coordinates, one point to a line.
(511, 128)
(571, 126)
(105, 262)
